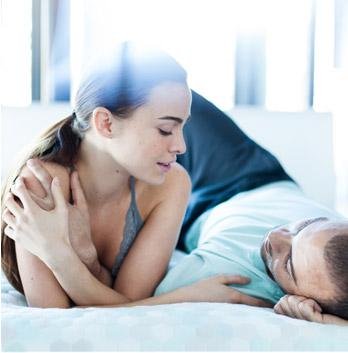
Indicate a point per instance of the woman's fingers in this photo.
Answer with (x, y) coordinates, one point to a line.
(8, 218)
(233, 279)
(19, 189)
(9, 232)
(41, 174)
(77, 192)
(58, 196)
(12, 205)
(248, 300)
(45, 180)
(238, 297)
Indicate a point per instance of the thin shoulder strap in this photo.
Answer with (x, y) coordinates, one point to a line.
(132, 188)
(136, 214)
(131, 229)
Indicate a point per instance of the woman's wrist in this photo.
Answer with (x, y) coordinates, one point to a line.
(94, 267)
(60, 258)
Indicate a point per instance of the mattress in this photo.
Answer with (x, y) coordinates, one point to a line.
(175, 327)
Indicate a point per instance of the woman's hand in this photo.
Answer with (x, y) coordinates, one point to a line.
(215, 289)
(79, 221)
(45, 179)
(79, 226)
(303, 308)
(43, 233)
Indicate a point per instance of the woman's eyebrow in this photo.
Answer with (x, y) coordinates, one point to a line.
(178, 120)
(174, 118)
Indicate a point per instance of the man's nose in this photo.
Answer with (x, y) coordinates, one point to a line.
(280, 239)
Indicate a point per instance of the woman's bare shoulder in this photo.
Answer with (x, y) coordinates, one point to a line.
(54, 170)
(177, 184)
(177, 178)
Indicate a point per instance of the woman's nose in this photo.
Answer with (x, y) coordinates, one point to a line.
(279, 239)
(178, 146)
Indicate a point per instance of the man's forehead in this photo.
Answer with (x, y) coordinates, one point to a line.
(311, 269)
(331, 228)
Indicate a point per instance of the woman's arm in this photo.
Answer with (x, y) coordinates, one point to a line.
(79, 223)
(214, 289)
(140, 273)
(30, 225)
(147, 261)
(40, 286)
(45, 235)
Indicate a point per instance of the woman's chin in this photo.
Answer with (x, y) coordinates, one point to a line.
(153, 179)
(158, 181)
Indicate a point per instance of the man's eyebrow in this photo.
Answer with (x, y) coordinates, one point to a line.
(311, 221)
(292, 267)
(174, 118)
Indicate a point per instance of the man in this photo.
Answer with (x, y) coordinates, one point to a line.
(306, 259)
(225, 164)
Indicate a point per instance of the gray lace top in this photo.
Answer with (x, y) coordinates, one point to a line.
(130, 232)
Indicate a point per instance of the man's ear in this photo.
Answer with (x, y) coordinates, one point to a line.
(103, 121)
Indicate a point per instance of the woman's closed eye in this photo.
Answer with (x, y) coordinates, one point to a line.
(164, 132)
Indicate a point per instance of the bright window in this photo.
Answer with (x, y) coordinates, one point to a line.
(16, 52)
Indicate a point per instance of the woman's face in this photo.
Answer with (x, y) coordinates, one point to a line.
(147, 143)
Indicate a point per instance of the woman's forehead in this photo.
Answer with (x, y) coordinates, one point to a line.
(170, 101)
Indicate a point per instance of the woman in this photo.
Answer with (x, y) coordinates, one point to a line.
(116, 153)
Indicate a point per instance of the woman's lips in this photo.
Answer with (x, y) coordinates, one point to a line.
(165, 167)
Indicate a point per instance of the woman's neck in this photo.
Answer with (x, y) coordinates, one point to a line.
(102, 179)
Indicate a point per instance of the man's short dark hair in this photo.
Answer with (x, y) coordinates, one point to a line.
(336, 257)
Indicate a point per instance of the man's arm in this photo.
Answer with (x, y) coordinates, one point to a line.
(303, 308)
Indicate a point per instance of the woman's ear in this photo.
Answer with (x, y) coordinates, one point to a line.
(103, 121)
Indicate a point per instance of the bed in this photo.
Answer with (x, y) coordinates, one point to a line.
(185, 326)
(175, 327)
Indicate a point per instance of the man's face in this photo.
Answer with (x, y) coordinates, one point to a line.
(294, 256)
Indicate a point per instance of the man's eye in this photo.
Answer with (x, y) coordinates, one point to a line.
(286, 263)
(164, 133)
